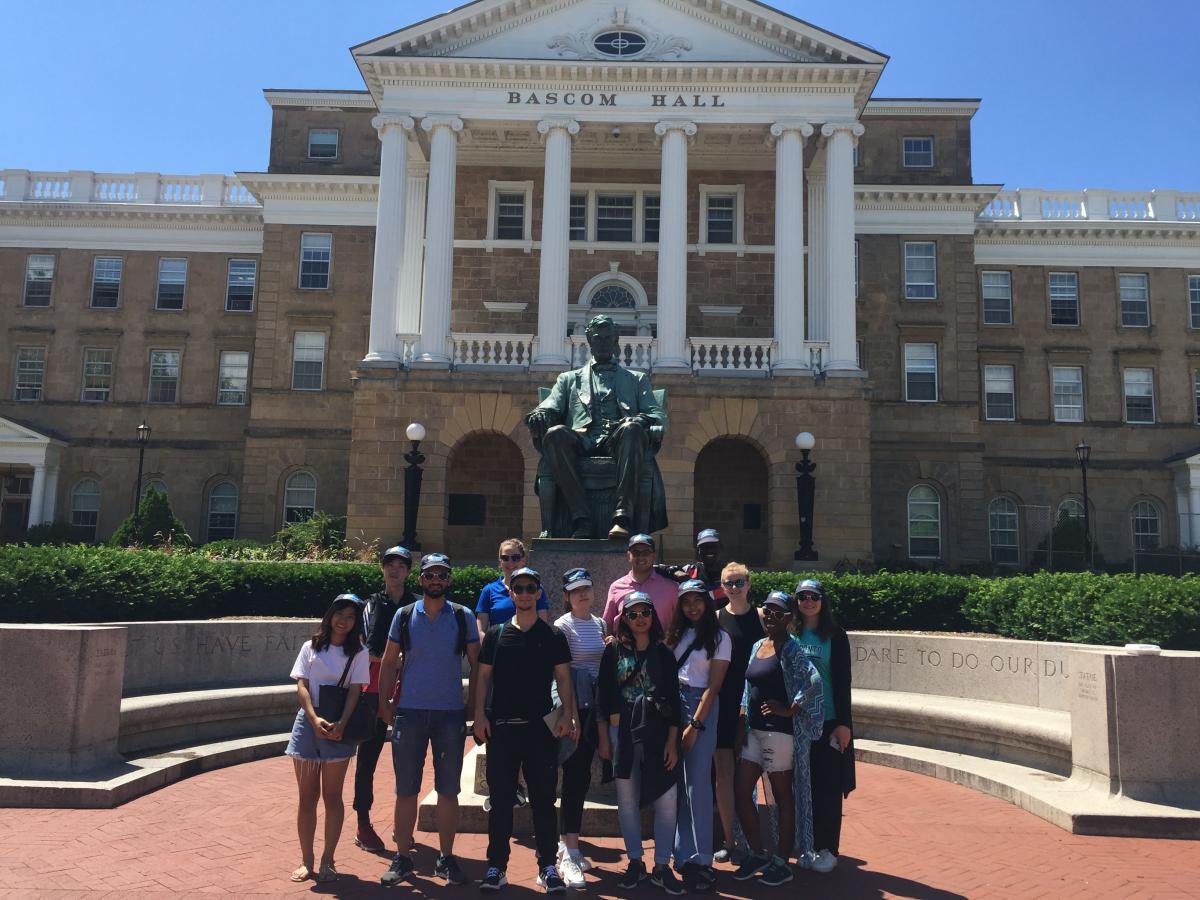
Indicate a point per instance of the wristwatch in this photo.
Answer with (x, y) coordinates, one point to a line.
(697, 724)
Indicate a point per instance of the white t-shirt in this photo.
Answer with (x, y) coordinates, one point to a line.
(695, 671)
(585, 637)
(326, 667)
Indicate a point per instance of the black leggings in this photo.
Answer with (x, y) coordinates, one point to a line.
(577, 776)
(827, 766)
(364, 769)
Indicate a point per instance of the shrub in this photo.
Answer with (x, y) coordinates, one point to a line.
(319, 534)
(232, 548)
(49, 533)
(156, 525)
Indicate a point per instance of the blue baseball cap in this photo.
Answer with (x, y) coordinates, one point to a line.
(639, 539)
(576, 578)
(396, 552)
(352, 598)
(810, 586)
(693, 586)
(633, 598)
(435, 561)
(780, 599)
(708, 536)
(525, 572)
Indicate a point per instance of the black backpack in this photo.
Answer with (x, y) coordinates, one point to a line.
(460, 616)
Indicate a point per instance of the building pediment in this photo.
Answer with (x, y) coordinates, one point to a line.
(685, 31)
(14, 434)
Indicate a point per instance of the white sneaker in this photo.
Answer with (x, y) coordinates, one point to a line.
(824, 862)
(585, 864)
(570, 871)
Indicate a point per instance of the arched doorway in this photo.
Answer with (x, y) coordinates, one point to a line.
(731, 496)
(485, 490)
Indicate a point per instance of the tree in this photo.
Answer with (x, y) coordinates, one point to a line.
(157, 525)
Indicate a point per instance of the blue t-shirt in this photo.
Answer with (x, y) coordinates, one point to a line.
(495, 601)
(819, 655)
(432, 667)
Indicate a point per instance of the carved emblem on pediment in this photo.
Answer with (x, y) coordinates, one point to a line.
(623, 37)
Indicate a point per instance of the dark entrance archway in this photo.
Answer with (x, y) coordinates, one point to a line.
(485, 490)
(731, 496)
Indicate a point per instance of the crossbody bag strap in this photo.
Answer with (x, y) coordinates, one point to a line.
(346, 671)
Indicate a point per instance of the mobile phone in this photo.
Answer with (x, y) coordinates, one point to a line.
(834, 743)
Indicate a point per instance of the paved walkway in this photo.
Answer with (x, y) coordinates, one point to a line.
(232, 832)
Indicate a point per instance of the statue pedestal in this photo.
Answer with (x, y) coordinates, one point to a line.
(605, 559)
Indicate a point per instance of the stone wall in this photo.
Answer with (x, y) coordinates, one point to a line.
(358, 144)
(880, 150)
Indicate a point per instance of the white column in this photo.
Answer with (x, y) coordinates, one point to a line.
(408, 320)
(789, 245)
(839, 242)
(50, 502)
(672, 247)
(439, 241)
(818, 283)
(37, 495)
(389, 238)
(556, 234)
(1183, 505)
(1193, 508)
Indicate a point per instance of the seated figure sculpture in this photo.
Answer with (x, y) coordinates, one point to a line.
(598, 431)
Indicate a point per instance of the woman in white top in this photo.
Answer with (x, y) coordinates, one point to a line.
(702, 652)
(334, 655)
(585, 635)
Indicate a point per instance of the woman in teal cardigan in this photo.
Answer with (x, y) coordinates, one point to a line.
(782, 710)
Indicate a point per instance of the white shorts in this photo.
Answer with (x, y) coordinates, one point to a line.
(771, 751)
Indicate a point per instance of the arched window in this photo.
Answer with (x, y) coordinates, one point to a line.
(157, 483)
(1071, 508)
(924, 523)
(222, 511)
(613, 296)
(85, 510)
(299, 498)
(1003, 528)
(1147, 528)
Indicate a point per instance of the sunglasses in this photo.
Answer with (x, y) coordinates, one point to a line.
(435, 575)
(524, 588)
(807, 598)
(638, 613)
(516, 557)
(774, 612)
(735, 583)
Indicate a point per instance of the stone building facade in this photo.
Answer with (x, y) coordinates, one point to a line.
(783, 251)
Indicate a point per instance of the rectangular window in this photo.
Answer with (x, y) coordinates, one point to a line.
(322, 143)
(39, 279)
(1064, 298)
(106, 281)
(510, 216)
(614, 217)
(650, 218)
(308, 361)
(315, 253)
(1135, 301)
(1139, 396)
(97, 375)
(1194, 299)
(233, 379)
(1068, 393)
(997, 298)
(239, 285)
(999, 394)
(164, 376)
(918, 153)
(920, 270)
(720, 218)
(920, 373)
(172, 278)
(578, 217)
(31, 372)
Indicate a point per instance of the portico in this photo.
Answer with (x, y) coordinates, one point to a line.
(29, 468)
(547, 91)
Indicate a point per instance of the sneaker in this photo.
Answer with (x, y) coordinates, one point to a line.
(824, 862)
(777, 873)
(698, 879)
(721, 856)
(635, 874)
(493, 880)
(664, 878)
(447, 867)
(805, 859)
(551, 881)
(753, 865)
(572, 872)
(400, 869)
(585, 864)
(366, 838)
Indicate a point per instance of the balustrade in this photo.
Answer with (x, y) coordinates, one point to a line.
(491, 350)
(731, 355)
(1092, 205)
(137, 187)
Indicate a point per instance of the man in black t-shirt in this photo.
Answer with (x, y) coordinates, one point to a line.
(380, 608)
(518, 661)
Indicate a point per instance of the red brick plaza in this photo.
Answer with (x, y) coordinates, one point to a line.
(232, 832)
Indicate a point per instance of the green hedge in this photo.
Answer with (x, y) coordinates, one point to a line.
(95, 584)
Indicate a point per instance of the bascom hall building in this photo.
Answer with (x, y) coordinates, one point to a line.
(782, 250)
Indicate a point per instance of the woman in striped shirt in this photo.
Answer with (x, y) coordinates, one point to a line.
(585, 636)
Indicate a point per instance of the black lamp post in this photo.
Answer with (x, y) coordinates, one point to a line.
(143, 438)
(1082, 453)
(412, 484)
(805, 494)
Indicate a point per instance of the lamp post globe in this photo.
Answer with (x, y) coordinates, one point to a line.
(806, 488)
(805, 441)
(415, 432)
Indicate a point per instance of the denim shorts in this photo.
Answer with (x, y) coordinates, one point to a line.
(305, 744)
(413, 730)
(771, 751)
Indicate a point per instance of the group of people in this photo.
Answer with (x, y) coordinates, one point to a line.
(695, 699)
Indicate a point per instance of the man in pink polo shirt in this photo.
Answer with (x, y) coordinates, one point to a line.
(642, 577)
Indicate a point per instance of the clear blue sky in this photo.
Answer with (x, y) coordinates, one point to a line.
(1076, 93)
